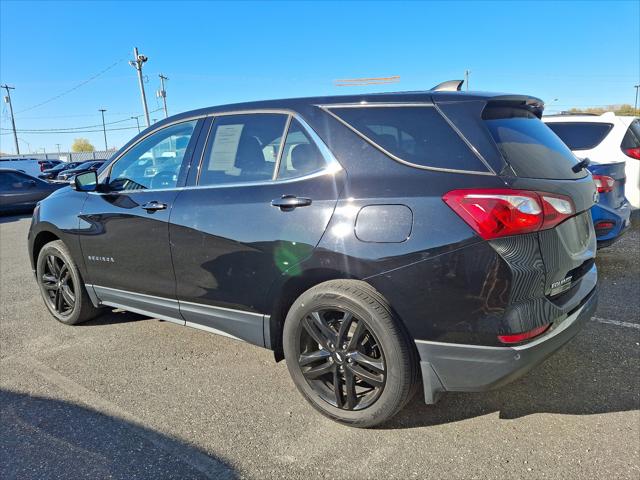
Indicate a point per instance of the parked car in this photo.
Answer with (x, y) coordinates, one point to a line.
(52, 173)
(30, 166)
(369, 240)
(67, 175)
(605, 138)
(611, 215)
(20, 192)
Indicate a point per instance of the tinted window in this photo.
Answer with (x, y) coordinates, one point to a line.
(581, 135)
(300, 155)
(526, 143)
(154, 162)
(418, 135)
(632, 137)
(242, 148)
(10, 180)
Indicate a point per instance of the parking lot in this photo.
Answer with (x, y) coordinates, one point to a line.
(126, 396)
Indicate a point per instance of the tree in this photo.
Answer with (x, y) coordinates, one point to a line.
(82, 145)
(622, 110)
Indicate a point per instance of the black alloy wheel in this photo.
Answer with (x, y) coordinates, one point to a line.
(341, 359)
(57, 282)
(61, 285)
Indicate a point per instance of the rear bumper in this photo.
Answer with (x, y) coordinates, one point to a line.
(449, 367)
(619, 216)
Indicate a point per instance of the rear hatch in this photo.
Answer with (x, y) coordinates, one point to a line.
(611, 196)
(536, 159)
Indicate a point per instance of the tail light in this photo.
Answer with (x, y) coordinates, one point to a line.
(604, 227)
(494, 213)
(521, 337)
(604, 183)
(632, 152)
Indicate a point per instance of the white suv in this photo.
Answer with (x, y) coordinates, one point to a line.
(605, 138)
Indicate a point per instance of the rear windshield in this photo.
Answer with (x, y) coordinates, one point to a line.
(532, 149)
(417, 135)
(581, 135)
(632, 137)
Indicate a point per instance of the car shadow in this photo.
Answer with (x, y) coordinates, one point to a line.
(49, 438)
(113, 316)
(595, 373)
(13, 217)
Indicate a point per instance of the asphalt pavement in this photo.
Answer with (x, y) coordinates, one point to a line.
(129, 397)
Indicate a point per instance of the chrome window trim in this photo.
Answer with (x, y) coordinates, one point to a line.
(326, 108)
(319, 173)
(332, 165)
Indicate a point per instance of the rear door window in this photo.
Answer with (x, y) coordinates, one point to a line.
(416, 135)
(242, 148)
(532, 149)
(581, 135)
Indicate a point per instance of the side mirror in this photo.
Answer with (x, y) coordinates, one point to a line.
(31, 183)
(86, 182)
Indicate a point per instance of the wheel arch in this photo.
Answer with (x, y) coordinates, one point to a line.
(285, 294)
(40, 240)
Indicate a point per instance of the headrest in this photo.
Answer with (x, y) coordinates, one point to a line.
(306, 158)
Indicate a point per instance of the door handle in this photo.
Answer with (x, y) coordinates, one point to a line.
(287, 203)
(154, 206)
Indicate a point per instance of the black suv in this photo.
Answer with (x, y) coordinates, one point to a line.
(370, 240)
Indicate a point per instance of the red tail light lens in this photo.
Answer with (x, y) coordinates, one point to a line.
(521, 337)
(494, 213)
(633, 152)
(603, 183)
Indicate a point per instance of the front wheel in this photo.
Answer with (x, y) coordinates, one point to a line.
(61, 286)
(347, 354)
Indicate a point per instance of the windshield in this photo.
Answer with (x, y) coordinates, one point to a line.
(528, 145)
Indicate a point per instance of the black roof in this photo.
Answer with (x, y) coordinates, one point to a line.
(303, 103)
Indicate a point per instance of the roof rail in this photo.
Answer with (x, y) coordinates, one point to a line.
(448, 86)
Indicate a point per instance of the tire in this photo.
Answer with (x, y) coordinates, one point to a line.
(59, 281)
(343, 332)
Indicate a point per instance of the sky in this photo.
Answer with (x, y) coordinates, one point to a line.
(67, 60)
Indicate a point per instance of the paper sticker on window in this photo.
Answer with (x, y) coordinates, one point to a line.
(225, 146)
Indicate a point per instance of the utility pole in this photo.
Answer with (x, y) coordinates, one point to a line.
(466, 79)
(136, 63)
(13, 120)
(635, 107)
(104, 130)
(163, 93)
(58, 147)
(137, 122)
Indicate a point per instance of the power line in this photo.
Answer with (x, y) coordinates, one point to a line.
(81, 84)
(71, 129)
(8, 131)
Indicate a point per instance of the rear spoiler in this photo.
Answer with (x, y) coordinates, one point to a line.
(531, 104)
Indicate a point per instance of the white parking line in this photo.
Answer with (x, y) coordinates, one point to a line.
(616, 322)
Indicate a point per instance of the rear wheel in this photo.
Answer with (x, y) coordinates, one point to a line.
(347, 354)
(61, 286)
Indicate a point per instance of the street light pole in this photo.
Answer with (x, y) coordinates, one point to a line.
(136, 63)
(466, 79)
(137, 122)
(13, 120)
(636, 105)
(104, 130)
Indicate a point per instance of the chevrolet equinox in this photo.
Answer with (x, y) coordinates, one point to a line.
(376, 242)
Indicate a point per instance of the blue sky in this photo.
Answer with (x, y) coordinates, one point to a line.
(583, 54)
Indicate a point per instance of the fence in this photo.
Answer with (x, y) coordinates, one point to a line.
(65, 156)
